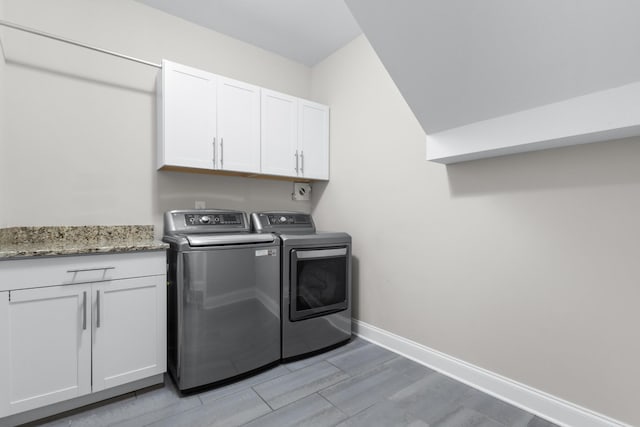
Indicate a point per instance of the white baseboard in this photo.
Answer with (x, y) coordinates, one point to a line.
(535, 401)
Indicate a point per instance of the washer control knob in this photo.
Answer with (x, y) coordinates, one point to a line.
(283, 219)
(205, 219)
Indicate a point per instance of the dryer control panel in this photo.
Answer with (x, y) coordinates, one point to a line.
(282, 222)
(289, 219)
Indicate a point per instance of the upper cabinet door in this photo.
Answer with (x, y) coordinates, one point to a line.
(46, 346)
(279, 134)
(238, 126)
(313, 140)
(187, 106)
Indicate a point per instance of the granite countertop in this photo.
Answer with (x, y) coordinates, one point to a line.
(21, 242)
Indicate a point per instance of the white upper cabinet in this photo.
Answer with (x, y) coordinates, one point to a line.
(295, 137)
(313, 140)
(207, 121)
(187, 120)
(238, 126)
(214, 123)
(279, 134)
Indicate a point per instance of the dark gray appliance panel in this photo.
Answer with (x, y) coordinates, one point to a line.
(230, 313)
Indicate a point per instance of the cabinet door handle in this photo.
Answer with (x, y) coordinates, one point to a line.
(90, 269)
(296, 155)
(221, 153)
(84, 310)
(98, 308)
(301, 162)
(214, 152)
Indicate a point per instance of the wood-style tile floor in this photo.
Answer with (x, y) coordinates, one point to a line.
(358, 384)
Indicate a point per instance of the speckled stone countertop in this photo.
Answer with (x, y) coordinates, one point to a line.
(21, 242)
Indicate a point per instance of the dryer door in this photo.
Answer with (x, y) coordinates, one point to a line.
(319, 282)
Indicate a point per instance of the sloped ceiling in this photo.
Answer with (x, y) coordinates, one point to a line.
(306, 31)
(458, 62)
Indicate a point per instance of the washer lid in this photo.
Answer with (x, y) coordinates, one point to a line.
(228, 239)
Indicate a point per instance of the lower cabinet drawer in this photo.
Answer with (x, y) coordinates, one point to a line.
(66, 270)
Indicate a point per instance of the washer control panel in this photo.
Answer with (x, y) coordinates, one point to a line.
(205, 221)
(213, 219)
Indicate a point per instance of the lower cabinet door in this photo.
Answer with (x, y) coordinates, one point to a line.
(129, 330)
(46, 354)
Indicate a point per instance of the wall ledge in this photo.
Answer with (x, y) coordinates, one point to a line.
(600, 116)
(535, 401)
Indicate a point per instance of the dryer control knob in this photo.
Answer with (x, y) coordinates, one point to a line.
(283, 219)
(205, 219)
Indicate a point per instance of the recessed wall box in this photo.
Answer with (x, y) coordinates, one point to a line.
(301, 191)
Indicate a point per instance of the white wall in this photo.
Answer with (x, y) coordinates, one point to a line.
(80, 126)
(3, 180)
(525, 265)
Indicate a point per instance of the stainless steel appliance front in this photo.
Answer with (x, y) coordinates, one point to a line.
(223, 299)
(316, 292)
(316, 282)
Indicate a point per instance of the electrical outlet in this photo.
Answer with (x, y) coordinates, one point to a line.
(301, 191)
(200, 204)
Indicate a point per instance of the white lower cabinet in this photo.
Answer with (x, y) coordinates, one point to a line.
(66, 341)
(129, 331)
(48, 356)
